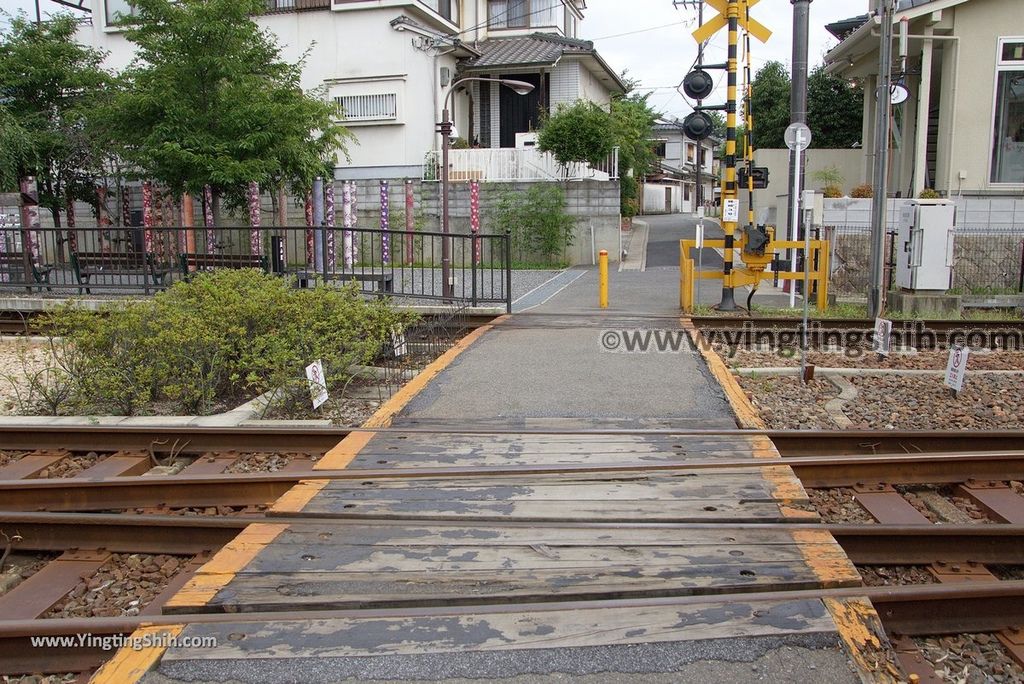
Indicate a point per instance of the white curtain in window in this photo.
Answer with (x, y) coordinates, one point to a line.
(497, 15)
(545, 12)
(115, 7)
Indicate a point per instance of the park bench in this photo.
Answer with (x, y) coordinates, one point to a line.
(191, 262)
(117, 264)
(385, 281)
(13, 265)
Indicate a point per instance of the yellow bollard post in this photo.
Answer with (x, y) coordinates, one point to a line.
(602, 261)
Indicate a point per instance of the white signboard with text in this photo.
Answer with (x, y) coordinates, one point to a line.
(956, 368)
(731, 210)
(317, 383)
(882, 343)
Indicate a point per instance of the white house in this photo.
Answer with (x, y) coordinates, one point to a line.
(392, 63)
(671, 187)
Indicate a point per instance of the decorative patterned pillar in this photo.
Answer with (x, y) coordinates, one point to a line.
(474, 218)
(385, 225)
(310, 237)
(329, 220)
(318, 223)
(410, 223)
(211, 232)
(188, 222)
(255, 220)
(30, 218)
(147, 215)
(72, 233)
(346, 221)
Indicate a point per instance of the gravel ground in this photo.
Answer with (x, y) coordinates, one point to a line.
(19, 567)
(862, 358)
(18, 360)
(10, 456)
(263, 462)
(837, 506)
(40, 679)
(888, 575)
(1007, 572)
(787, 404)
(122, 587)
(72, 465)
(890, 403)
(970, 659)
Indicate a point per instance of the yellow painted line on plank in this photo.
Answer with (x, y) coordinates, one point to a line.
(339, 457)
(221, 569)
(296, 498)
(827, 559)
(747, 416)
(130, 664)
(860, 629)
(386, 413)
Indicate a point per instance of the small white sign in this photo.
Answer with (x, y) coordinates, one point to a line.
(317, 383)
(882, 343)
(700, 212)
(731, 211)
(700, 235)
(956, 369)
(398, 341)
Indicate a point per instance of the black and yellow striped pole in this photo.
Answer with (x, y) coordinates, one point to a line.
(730, 195)
(748, 117)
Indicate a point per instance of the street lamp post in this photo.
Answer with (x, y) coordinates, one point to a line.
(445, 129)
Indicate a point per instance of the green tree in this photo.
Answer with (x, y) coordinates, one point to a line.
(770, 105)
(633, 122)
(210, 101)
(15, 150)
(835, 110)
(50, 86)
(582, 132)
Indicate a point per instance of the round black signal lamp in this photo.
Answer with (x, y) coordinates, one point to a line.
(698, 84)
(698, 126)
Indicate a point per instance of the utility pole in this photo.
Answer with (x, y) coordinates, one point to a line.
(876, 293)
(797, 114)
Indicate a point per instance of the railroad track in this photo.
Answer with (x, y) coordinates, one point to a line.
(61, 516)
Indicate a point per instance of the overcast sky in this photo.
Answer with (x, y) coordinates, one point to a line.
(659, 49)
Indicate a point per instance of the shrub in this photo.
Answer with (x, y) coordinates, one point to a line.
(581, 133)
(832, 191)
(537, 220)
(863, 191)
(224, 336)
(628, 191)
(928, 193)
(830, 178)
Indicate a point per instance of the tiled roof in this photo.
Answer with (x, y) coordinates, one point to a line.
(538, 48)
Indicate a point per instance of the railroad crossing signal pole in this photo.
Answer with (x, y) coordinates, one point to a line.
(730, 195)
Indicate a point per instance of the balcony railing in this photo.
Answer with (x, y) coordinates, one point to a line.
(508, 165)
(280, 6)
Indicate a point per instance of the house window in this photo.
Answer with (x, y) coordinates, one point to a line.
(378, 107)
(660, 149)
(1008, 145)
(524, 13)
(449, 9)
(118, 11)
(691, 154)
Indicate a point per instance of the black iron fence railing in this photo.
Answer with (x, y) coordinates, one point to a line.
(135, 260)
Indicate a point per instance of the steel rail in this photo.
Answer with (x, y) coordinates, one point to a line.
(864, 544)
(162, 439)
(255, 489)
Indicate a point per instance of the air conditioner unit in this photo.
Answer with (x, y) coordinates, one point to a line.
(924, 245)
(526, 141)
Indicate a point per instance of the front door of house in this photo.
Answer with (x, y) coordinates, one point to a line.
(520, 113)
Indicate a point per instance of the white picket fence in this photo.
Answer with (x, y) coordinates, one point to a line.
(507, 165)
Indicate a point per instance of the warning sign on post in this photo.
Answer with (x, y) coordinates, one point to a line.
(317, 383)
(956, 369)
(731, 210)
(881, 344)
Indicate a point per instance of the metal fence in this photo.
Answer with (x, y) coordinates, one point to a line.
(135, 260)
(505, 165)
(985, 261)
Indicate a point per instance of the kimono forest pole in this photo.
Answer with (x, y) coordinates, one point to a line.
(410, 223)
(147, 216)
(255, 220)
(346, 221)
(126, 217)
(188, 222)
(310, 237)
(385, 223)
(211, 232)
(329, 220)
(103, 221)
(72, 233)
(30, 219)
(474, 218)
(318, 224)
(355, 221)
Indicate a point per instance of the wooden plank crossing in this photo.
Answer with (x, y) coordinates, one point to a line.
(735, 494)
(357, 638)
(385, 566)
(425, 450)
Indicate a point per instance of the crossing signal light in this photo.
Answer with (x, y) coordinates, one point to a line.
(759, 173)
(698, 126)
(698, 84)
